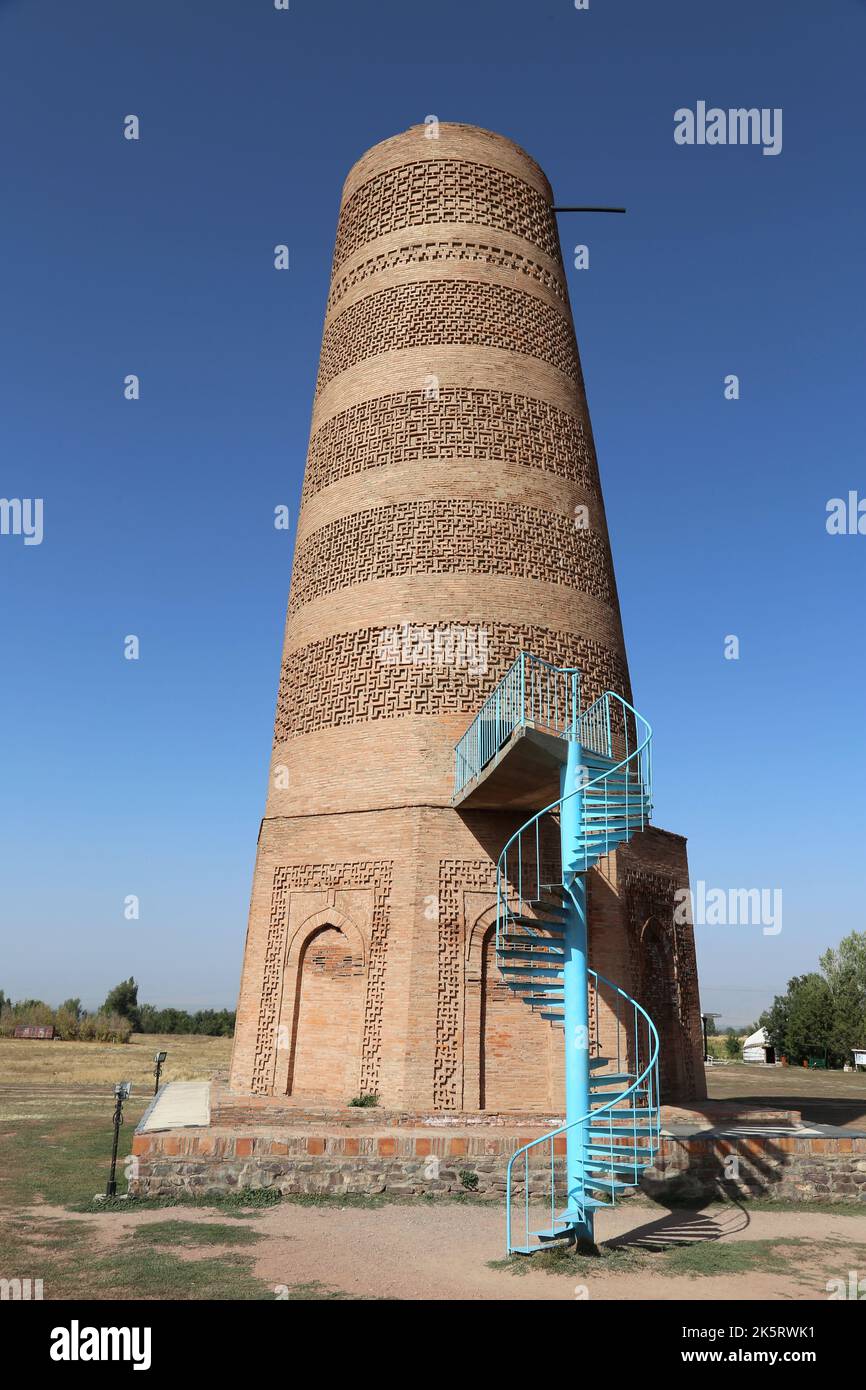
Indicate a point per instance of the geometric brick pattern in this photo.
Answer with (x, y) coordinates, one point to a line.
(659, 968)
(456, 877)
(463, 423)
(342, 679)
(646, 895)
(430, 313)
(437, 252)
(289, 878)
(450, 536)
(453, 190)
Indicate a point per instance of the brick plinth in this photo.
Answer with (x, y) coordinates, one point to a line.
(411, 1160)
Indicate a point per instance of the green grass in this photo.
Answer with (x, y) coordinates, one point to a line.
(64, 1157)
(161, 1275)
(192, 1233)
(786, 1255)
(791, 1255)
(247, 1203)
(771, 1204)
(711, 1258)
(372, 1200)
(563, 1259)
(294, 1293)
(61, 1252)
(682, 1200)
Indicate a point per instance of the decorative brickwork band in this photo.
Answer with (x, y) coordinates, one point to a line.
(425, 253)
(350, 678)
(647, 895)
(461, 423)
(456, 877)
(464, 313)
(451, 536)
(289, 878)
(453, 190)
(663, 963)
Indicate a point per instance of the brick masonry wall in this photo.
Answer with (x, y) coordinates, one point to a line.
(450, 447)
(406, 1162)
(634, 941)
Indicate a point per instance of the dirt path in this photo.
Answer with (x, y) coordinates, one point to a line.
(426, 1251)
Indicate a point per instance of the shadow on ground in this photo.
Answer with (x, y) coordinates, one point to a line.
(680, 1227)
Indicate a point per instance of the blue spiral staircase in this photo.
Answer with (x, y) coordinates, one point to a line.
(532, 723)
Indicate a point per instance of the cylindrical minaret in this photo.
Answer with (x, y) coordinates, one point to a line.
(451, 517)
(450, 446)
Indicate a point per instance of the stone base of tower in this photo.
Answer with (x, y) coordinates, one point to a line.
(370, 970)
(267, 1143)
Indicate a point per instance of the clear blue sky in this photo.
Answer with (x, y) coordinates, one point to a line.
(155, 258)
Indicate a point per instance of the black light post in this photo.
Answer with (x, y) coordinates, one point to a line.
(121, 1093)
(158, 1061)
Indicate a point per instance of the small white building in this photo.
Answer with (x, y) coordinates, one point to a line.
(756, 1048)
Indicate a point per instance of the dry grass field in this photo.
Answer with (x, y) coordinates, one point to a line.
(27, 1062)
(822, 1097)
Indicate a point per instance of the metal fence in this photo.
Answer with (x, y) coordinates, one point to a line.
(532, 692)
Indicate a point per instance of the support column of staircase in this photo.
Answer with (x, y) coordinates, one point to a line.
(611, 1130)
(575, 979)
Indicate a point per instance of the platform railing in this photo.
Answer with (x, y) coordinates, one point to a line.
(532, 692)
(620, 796)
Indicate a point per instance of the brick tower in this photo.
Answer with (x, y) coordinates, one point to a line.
(451, 517)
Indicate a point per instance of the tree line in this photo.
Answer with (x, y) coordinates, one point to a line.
(115, 1020)
(823, 1013)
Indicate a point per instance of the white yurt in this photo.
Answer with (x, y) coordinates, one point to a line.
(756, 1048)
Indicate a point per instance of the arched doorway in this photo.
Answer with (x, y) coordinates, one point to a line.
(659, 995)
(326, 1030)
(515, 1043)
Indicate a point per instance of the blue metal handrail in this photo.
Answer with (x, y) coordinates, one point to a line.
(532, 691)
(646, 1079)
(597, 731)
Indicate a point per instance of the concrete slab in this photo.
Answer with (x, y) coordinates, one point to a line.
(523, 773)
(177, 1105)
